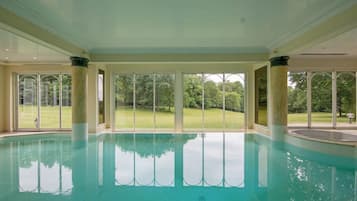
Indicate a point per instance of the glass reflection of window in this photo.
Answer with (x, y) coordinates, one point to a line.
(100, 161)
(42, 168)
(165, 169)
(28, 167)
(144, 168)
(192, 162)
(124, 165)
(214, 160)
(233, 160)
(262, 166)
(149, 169)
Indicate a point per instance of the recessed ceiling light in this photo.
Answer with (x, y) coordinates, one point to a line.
(7, 58)
(6, 50)
(34, 58)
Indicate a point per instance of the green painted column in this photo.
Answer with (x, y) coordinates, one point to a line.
(279, 97)
(79, 99)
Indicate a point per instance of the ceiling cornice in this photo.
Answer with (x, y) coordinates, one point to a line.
(330, 28)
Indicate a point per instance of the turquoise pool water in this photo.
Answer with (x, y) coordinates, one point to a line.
(200, 167)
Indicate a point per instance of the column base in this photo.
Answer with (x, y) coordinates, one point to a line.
(79, 134)
(278, 132)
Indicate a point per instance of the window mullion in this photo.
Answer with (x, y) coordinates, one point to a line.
(134, 101)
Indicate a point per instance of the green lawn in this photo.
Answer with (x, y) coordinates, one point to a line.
(213, 119)
(164, 120)
(49, 117)
(317, 117)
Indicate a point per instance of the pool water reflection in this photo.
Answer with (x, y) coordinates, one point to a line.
(170, 167)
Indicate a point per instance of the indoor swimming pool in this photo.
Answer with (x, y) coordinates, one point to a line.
(179, 167)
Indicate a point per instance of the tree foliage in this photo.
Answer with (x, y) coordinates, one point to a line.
(194, 88)
(144, 91)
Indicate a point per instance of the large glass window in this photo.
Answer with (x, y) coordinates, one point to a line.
(164, 101)
(297, 101)
(321, 87)
(101, 96)
(261, 96)
(321, 100)
(44, 101)
(27, 101)
(124, 101)
(66, 101)
(50, 101)
(144, 101)
(234, 114)
(192, 101)
(213, 110)
(213, 101)
(346, 99)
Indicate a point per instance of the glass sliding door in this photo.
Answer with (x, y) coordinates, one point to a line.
(50, 101)
(346, 99)
(66, 111)
(321, 100)
(27, 107)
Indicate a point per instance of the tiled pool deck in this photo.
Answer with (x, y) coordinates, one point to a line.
(327, 134)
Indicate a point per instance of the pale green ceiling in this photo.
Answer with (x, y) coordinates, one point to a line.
(176, 26)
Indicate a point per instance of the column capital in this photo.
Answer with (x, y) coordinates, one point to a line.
(279, 61)
(79, 61)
